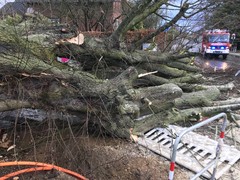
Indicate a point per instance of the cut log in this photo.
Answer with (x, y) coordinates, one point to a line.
(12, 104)
(224, 87)
(165, 70)
(199, 98)
(38, 115)
(164, 118)
(226, 102)
(182, 66)
(115, 103)
(209, 111)
(78, 40)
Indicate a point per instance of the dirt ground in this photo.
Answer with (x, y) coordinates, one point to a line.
(99, 158)
(96, 157)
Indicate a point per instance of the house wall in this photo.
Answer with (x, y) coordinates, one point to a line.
(116, 13)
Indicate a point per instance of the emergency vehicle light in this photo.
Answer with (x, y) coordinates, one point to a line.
(222, 47)
(217, 31)
(213, 47)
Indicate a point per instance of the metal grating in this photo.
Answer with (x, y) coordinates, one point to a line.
(194, 152)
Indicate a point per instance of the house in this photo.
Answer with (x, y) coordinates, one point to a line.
(91, 15)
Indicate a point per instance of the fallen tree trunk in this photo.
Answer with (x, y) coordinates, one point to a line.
(226, 102)
(117, 101)
(101, 98)
(164, 69)
(165, 118)
(224, 87)
(144, 90)
(38, 115)
(199, 98)
(12, 104)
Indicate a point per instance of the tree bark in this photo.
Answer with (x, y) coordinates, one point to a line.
(32, 79)
(199, 98)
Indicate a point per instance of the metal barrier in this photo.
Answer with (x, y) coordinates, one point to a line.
(218, 148)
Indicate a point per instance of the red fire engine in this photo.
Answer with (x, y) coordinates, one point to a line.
(216, 42)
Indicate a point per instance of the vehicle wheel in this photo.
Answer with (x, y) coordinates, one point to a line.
(224, 56)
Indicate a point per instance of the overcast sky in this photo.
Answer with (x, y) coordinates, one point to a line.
(2, 2)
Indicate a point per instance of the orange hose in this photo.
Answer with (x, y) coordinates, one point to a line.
(22, 171)
(31, 163)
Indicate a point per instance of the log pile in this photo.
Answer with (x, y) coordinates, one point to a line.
(106, 88)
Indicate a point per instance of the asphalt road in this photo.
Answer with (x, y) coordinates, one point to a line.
(231, 64)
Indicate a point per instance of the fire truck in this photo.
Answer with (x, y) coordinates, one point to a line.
(216, 42)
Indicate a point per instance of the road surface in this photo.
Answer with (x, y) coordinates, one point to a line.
(231, 64)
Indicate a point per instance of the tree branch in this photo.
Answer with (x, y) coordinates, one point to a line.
(180, 14)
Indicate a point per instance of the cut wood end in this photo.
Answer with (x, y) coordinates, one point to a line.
(133, 137)
(145, 74)
(79, 40)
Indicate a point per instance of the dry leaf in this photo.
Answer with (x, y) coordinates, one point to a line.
(75, 40)
(133, 137)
